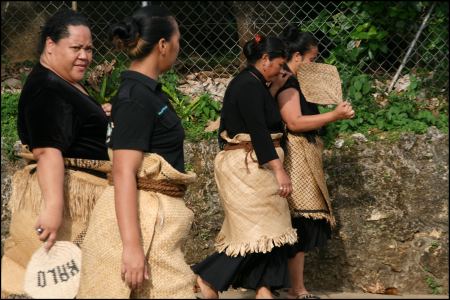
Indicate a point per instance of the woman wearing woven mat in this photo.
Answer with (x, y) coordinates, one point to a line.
(309, 201)
(60, 124)
(251, 246)
(133, 246)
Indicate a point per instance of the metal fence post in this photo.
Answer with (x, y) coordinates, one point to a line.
(411, 47)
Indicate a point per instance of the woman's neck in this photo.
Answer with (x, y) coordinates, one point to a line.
(258, 66)
(43, 60)
(293, 67)
(146, 66)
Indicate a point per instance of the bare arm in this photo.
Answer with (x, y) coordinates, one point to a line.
(289, 103)
(125, 166)
(50, 174)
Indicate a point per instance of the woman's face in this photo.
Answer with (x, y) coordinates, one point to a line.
(310, 55)
(273, 68)
(72, 55)
(173, 47)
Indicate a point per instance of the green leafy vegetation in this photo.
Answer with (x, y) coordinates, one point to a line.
(9, 123)
(434, 286)
(103, 81)
(194, 113)
(400, 112)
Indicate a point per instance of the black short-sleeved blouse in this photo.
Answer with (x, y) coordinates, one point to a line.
(248, 107)
(53, 113)
(143, 119)
(308, 108)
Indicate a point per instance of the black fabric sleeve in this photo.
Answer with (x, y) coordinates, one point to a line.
(291, 82)
(133, 126)
(50, 121)
(250, 103)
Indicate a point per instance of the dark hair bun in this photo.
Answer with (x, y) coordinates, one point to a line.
(125, 34)
(252, 48)
(290, 33)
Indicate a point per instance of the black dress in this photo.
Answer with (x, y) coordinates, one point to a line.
(54, 113)
(248, 107)
(314, 233)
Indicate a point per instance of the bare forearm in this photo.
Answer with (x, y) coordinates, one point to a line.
(306, 123)
(125, 193)
(275, 165)
(50, 174)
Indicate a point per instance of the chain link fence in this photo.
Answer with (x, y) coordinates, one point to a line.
(214, 32)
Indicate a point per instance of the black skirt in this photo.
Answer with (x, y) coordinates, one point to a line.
(252, 271)
(312, 233)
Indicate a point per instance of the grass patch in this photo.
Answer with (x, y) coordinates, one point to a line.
(9, 123)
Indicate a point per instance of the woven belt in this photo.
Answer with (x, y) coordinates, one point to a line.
(248, 147)
(159, 186)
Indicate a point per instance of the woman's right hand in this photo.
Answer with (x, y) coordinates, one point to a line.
(107, 109)
(49, 220)
(284, 182)
(343, 111)
(134, 266)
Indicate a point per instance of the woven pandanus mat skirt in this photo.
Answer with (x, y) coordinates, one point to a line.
(165, 222)
(309, 197)
(81, 191)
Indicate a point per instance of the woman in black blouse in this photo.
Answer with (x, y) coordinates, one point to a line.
(251, 180)
(58, 121)
(309, 202)
(57, 118)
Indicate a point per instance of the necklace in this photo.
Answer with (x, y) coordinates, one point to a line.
(267, 84)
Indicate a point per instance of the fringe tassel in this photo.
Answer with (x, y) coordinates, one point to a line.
(263, 245)
(317, 216)
(81, 191)
(21, 182)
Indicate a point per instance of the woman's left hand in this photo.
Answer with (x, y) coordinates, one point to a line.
(107, 108)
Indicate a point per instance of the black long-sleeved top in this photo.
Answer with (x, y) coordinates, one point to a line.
(248, 107)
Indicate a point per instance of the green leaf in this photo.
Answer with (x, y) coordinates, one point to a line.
(103, 89)
(360, 36)
(216, 105)
(372, 31)
(366, 87)
(358, 85)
